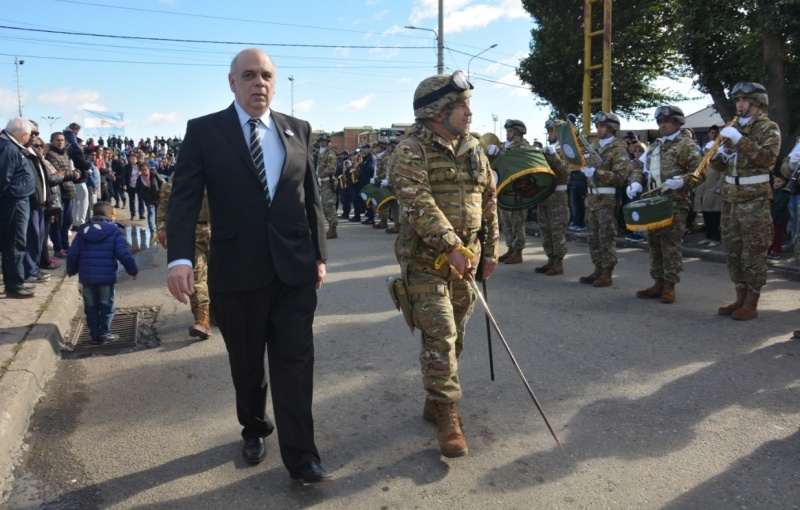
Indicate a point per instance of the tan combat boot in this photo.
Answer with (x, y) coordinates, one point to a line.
(201, 327)
(557, 267)
(393, 230)
(741, 293)
(503, 257)
(380, 224)
(547, 265)
(668, 293)
(514, 258)
(604, 280)
(749, 309)
(429, 412)
(653, 291)
(592, 277)
(451, 440)
(331, 233)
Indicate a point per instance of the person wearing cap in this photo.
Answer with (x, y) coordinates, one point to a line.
(669, 161)
(601, 220)
(553, 211)
(512, 223)
(746, 157)
(326, 161)
(366, 171)
(394, 210)
(446, 191)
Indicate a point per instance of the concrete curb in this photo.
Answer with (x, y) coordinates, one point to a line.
(34, 364)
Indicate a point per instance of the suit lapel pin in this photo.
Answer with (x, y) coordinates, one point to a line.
(288, 132)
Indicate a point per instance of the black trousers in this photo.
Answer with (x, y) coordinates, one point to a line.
(278, 319)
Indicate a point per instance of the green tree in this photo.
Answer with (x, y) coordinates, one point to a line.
(642, 50)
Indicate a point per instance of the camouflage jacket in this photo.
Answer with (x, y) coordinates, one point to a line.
(561, 169)
(786, 170)
(326, 163)
(616, 167)
(163, 206)
(516, 144)
(445, 191)
(755, 154)
(678, 157)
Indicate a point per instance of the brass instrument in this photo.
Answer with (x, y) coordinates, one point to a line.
(703, 166)
(342, 181)
(354, 174)
(589, 156)
(488, 140)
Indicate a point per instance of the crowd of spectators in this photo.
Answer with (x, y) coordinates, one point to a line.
(48, 189)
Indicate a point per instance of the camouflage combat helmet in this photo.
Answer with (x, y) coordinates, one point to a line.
(435, 93)
(607, 119)
(516, 124)
(323, 137)
(750, 90)
(670, 112)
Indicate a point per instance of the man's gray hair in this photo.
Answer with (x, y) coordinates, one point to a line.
(18, 126)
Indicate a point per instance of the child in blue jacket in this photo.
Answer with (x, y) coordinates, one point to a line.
(93, 256)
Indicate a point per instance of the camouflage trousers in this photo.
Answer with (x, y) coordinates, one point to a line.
(200, 298)
(442, 320)
(328, 196)
(747, 234)
(601, 229)
(666, 258)
(512, 224)
(553, 221)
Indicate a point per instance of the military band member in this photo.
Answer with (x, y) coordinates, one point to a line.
(382, 160)
(601, 218)
(668, 161)
(394, 210)
(553, 212)
(326, 168)
(446, 191)
(747, 156)
(512, 223)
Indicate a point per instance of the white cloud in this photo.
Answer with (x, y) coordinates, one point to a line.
(381, 14)
(304, 106)
(162, 118)
(356, 104)
(340, 52)
(382, 53)
(374, 2)
(9, 104)
(394, 30)
(66, 97)
(512, 79)
(462, 15)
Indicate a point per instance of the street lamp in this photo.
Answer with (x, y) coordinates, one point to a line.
(291, 79)
(18, 63)
(51, 120)
(481, 53)
(494, 119)
(440, 48)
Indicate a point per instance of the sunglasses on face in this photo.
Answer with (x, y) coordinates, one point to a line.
(34, 133)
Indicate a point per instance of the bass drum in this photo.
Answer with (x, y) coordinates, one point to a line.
(382, 198)
(648, 213)
(367, 192)
(523, 179)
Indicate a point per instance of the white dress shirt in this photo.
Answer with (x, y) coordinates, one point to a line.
(271, 144)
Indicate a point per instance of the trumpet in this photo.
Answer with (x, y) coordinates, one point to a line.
(700, 171)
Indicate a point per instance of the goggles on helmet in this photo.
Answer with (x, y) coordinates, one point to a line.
(747, 88)
(458, 83)
(601, 118)
(667, 111)
(550, 124)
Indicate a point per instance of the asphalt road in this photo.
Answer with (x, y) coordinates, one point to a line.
(658, 406)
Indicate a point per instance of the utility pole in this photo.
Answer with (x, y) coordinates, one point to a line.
(440, 39)
(494, 119)
(51, 120)
(17, 63)
(291, 79)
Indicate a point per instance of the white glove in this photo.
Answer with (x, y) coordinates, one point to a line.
(385, 182)
(319, 181)
(550, 149)
(633, 189)
(794, 159)
(493, 150)
(588, 171)
(673, 183)
(732, 134)
(708, 145)
(372, 181)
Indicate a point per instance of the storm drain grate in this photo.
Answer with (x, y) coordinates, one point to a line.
(125, 324)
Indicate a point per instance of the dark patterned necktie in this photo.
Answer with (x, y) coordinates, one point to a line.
(258, 155)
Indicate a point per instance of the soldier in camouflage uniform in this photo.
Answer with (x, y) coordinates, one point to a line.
(383, 158)
(326, 168)
(789, 166)
(512, 223)
(669, 161)
(601, 217)
(747, 156)
(394, 210)
(200, 300)
(446, 192)
(553, 212)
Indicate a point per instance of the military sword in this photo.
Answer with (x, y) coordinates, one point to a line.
(485, 305)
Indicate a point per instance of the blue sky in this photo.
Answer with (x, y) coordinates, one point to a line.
(359, 66)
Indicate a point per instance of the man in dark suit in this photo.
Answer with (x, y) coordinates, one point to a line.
(267, 255)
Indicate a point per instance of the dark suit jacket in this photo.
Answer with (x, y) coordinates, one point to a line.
(250, 243)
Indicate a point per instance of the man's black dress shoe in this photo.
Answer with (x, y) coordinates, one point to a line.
(312, 472)
(253, 450)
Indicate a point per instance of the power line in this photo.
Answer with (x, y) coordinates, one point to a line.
(86, 34)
